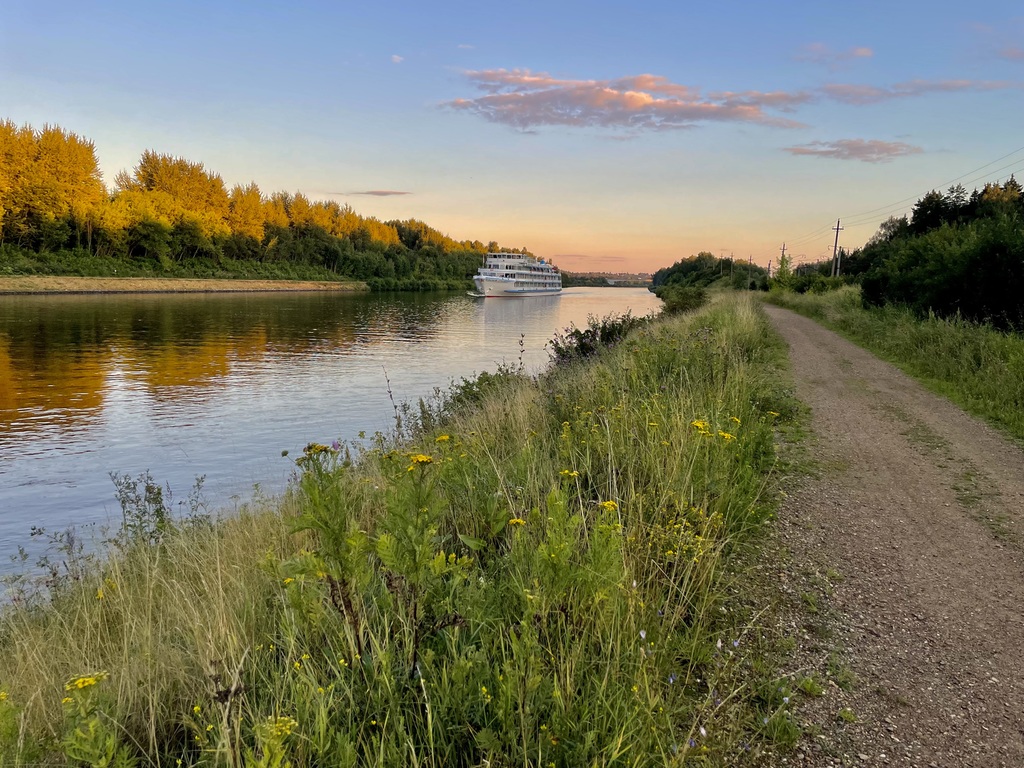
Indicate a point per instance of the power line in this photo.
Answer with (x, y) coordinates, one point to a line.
(864, 217)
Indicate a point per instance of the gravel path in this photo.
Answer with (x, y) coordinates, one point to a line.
(918, 516)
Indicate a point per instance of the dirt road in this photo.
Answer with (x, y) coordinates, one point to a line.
(919, 514)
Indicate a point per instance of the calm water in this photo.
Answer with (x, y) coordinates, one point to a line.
(220, 385)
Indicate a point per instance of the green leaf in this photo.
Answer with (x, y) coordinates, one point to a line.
(475, 544)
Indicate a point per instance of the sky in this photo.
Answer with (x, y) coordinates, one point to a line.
(614, 137)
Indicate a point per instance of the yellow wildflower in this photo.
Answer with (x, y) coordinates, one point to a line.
(289, 580)
(99, 593)
(3, 695)
(608, 506)
(442, 438)
(726, 436)
(66, 700)
(736, 419)
(85, 681)
(419, 459)
(773, 413)
(699, 424)
(281, 726)
(197, 709)
(517, 521)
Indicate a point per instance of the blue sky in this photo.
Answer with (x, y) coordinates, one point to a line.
(605, 136)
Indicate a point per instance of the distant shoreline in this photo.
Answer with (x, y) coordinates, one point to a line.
(52, 284)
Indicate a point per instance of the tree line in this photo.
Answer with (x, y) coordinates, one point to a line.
(170, 213)
(957, 254)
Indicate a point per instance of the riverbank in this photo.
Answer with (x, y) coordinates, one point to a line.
(534, 571)
(42, 284)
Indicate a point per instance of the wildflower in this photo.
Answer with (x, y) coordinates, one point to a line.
(442, 438)
(608, 506)
(419, 459)
(196, 709)
(99, 593)
(85, 681)
(342, 662)
(643, 634)
(281, 726)
(736, 419)
(700, 424)
(773, 413)
(66, 700)
(209, 727)
(320, 690)
(693, 743)
(672, 678)
(569, 473)
(517, 521)
(726, 436)
(297, 664)
(335, 446)
(3, 695)
(288, 580)
(451, 559)
(652, 423)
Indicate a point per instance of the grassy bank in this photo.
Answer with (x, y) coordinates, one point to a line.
(532, 572)
(24, 266)
(975, 366)
(51, 284)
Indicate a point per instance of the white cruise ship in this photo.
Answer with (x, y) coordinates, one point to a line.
(515, 274)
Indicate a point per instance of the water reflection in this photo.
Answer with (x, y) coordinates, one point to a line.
(184, 385)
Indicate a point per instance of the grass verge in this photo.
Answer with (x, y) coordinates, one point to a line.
(545, 575)
(977, 367)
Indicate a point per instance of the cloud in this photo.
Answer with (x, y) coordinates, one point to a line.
(864, 150)
(870, 94)
(466, 46)
(526, 100)
(529, 100)
(375, 193)
(821, 54)
(1012, 53)
(397, 59)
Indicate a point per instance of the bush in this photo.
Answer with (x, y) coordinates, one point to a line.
(578, 343)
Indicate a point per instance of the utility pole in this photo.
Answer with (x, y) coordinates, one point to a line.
(783, 249)
(769, 267)
(835, 250)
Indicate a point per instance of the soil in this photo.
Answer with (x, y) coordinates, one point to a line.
(54, 284)
(912, 533)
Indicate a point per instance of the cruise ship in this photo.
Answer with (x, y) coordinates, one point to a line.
(516, 274)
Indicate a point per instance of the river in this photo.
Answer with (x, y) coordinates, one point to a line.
(219, 385)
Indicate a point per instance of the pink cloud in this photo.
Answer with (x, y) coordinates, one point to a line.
(864, 150)
(870, 94)
(375, 193)
(1012, 52)
(526, 100)
(819, 53)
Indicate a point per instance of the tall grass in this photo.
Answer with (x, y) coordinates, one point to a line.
(976, 366)
(543, 579)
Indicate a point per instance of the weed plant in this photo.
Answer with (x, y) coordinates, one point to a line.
(974, 365)
(537, 577)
